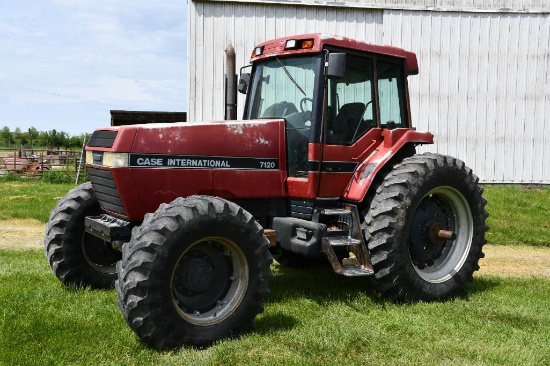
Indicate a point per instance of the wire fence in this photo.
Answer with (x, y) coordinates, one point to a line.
(35, 163)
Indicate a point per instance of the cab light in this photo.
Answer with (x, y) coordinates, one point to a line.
(290, 44)
(308, 43)
(257, 51)
(295, 44)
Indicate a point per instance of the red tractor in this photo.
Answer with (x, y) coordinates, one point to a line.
(184, 219)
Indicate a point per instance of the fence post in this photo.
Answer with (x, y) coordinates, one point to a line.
(80, 162)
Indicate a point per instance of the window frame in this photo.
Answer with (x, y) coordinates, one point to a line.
(405, 103)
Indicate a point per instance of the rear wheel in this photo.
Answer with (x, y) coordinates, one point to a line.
(426, 229)
(76, 257)
(195, 271)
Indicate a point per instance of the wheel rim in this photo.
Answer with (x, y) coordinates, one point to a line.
(209, 281)
(99, 254)
(436, 259)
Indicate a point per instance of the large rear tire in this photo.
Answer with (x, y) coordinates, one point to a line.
(420, 197)
(77, 258)
(197, 270)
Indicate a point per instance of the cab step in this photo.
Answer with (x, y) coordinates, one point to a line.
(356, 271)
(338, 241)
(335, 211)
(358, 263)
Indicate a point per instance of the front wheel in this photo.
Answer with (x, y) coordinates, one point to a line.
(77, 258)
(195, 271)
(426, 229)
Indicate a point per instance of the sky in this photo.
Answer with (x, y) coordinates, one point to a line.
(64, 64)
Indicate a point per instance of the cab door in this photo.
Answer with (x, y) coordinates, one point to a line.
(371, 91)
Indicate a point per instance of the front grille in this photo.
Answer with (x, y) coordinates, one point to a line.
(105, 190)
(102, 138)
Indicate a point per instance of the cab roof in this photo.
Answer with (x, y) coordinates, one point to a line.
(278, 47)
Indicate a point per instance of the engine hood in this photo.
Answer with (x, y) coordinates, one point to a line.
(230, 159)
(225, 138)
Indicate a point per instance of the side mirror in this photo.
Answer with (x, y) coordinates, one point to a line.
(336, 65)
(244, 80)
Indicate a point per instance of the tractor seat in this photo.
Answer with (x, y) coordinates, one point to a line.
(346, 122)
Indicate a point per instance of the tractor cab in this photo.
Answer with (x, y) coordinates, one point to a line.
(337, 98)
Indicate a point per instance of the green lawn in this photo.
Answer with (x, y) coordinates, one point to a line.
(312, 316)
(29, 200)
(516, 215)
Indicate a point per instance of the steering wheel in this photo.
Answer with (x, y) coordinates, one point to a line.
(303, 103)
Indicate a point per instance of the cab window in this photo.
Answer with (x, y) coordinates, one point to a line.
(391, 94)
(350, 102)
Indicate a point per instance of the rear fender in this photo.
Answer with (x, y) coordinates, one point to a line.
(394, 141)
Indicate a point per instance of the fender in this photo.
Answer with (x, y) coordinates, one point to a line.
(394, 141)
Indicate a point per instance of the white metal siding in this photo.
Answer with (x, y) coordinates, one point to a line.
(212, 26)
(462, 4)
(484, 83)
(520, 6)
(483, 88)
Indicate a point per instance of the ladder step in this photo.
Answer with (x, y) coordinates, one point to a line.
(337, 241)
(335, 211)
(355, 271)
(337, 232)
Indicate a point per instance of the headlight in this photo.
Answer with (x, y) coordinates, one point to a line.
(107, 159)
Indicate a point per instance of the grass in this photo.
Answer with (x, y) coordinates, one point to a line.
(518, 215)
(29, 200)
(501, 321)
(312, 317)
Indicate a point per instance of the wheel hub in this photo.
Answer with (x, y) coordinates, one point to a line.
(198, 274)
(433, 233)
(209, 280)
(425, 243)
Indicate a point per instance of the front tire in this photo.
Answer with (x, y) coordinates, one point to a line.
(77, 258)
(197, 270)
(420, 197)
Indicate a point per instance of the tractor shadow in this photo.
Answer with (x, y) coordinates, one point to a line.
(480, 285)
(321, 285)
(317, 283)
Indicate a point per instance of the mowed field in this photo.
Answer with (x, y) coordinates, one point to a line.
(312, 317)
(506, 261)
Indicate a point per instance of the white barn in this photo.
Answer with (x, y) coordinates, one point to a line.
(484, 82)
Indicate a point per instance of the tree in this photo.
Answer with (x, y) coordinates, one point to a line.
(54, 139)
(19, 137)
(33, 136)
(75, 141)
(6, 136)
(43, 139)
(64, 139)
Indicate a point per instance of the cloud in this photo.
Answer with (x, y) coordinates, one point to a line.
(110, 54)
(113, 88)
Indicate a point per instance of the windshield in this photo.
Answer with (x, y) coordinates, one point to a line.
(285, 88)
(282, 87)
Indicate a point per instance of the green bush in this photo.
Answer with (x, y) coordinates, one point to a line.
(57, 177)
(9, 177)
